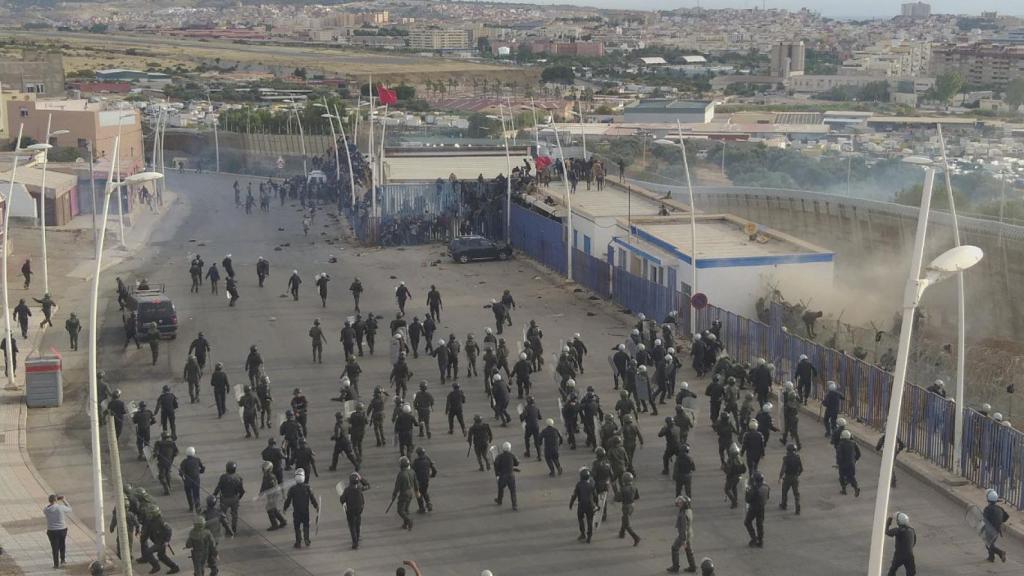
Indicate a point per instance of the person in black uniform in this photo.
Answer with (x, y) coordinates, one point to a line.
(453, 408)
(117, 411)
(792, 468)
(301, 495)
(424, 469)
(628, 494)
(552, 440)
(354, 502)
(995, 517)
(531, 426)
(757, 499)
(505, 467)
(165, 451)
(434, 303)
(586, 495)
(357, 430)
(904, 538)
(275, 456)
(142, 418)
(230, 488)
(847, 455)
(190, 469)
(341, 443)
(219, 383)
(479, 438)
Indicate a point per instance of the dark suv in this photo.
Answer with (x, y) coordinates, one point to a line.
(154, 306)
(466, 248)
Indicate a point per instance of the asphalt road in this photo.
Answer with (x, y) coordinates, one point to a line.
(466, 532)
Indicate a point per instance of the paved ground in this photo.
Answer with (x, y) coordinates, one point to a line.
(466, 532)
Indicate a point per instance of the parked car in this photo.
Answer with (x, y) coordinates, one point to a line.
(154, 306)
(466, 248)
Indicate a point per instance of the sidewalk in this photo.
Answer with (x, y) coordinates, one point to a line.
(23, 491)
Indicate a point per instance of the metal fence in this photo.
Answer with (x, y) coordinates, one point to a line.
(592, 273)
(540, 238)
(992, 455)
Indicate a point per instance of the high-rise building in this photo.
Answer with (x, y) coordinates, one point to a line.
(439, 39)
(980, 64)
(787, 59)
(917, 9)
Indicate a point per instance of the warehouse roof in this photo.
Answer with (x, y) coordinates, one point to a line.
(723, 241)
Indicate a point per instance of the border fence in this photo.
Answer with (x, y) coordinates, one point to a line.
(992, 454)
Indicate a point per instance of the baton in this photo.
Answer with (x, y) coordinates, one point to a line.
(469, 449)
(388, 509)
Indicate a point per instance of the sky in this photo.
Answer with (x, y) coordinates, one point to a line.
(830, 8)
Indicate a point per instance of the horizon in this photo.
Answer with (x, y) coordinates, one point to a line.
(838, 9)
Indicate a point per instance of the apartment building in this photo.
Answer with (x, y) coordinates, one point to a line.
(980, 64)
(440, 39)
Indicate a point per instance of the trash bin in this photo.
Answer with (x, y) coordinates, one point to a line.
(44, 384)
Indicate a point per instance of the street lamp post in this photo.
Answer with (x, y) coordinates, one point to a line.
(961, 309)
(45, 147)
(334, 138)
(693, 231)
(348, 155)
(216, 138)
(568, 209)
(508, 179)
(116, 160)
(9, 357)
(302, 136)
(952, 261)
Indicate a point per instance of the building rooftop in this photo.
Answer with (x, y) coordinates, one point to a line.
(660, 105)
(723, 241)
(32, 177)
(609, 202)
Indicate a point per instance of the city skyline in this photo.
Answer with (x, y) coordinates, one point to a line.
(829, 8)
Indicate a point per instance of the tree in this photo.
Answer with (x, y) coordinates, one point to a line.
(947, 86)
(558, 74)
(1015, 93)
(875, 92)
(405, 92)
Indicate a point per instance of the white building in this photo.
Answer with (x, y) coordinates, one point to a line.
(734, 267)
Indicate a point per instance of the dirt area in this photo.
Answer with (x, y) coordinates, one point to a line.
(90, 51)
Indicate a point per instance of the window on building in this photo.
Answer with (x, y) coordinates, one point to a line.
(35, 88)
(83, 143)
(586, 244)
(23, 112)
(622, 258)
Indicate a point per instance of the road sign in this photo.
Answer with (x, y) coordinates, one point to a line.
(699, 300)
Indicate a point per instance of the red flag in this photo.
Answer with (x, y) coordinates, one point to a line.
(542, 162)
(386, 96)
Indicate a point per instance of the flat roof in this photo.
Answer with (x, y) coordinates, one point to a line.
(722, 242)
(658, 105)
(609, 202)
(32, 176)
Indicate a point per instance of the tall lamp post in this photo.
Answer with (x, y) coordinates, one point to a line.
(946, 264)
(508, 178)
(348, 156)
(216, 138)
(9, 356)
(961, 309)
(693, 230)
(302, 136)
(45, 147)
(568, 209)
